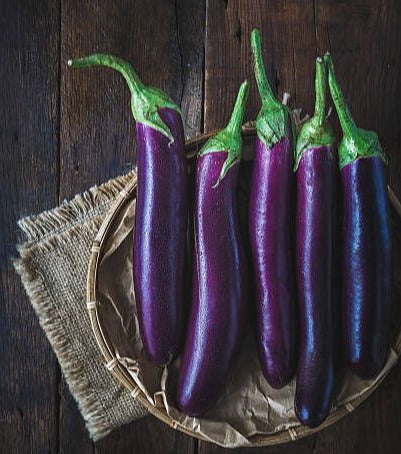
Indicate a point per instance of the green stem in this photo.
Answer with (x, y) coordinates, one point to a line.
(145, 101)
(234, 125)
(321, 91)
(357, 142)
(316, 132)
(347, 122)
(272, 120)
(123, 67)
(229, 139)
(265, 91)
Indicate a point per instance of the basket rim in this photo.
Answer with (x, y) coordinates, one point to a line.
(121, 374)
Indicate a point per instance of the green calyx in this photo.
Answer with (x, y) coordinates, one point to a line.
(356, 142)
(316, 132)
(272, 120)
(229, 139)
(145, 101)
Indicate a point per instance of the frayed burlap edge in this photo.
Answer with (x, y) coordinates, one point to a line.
(75, 211)
(95, 417)
(53, 228)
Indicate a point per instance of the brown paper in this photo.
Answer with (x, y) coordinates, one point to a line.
(249, 405)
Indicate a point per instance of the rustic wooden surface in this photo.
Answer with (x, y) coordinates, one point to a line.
(62, 131)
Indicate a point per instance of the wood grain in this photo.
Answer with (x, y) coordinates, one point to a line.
(29, 119)
(148, 435)
(364, 38)
(164, 42)
(293, 33)
(63, 130)
(289, 44)
(73, 437)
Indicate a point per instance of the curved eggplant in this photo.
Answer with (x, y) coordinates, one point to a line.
(366, 279)
(218, 312)
(315, 227)
(161, 221)
(270, 231)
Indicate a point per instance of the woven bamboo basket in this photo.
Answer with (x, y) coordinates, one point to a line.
(120, 372)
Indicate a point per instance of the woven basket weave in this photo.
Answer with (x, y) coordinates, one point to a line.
(122, 374)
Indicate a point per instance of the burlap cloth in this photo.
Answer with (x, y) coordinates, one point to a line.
(249, 410)
(53, 265)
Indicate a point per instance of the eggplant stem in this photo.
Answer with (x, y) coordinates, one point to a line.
(229, 139)
(235, 123)
(265, 91)
(274, 117)
(321, 91)
(116, 63)
(347, 122)
(145, 101)
(356, 142)
(316, 132)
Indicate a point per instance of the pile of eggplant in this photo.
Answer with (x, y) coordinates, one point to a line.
(303, 322)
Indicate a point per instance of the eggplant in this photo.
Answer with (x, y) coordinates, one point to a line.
(366, 237)
(161, 221)
(269, 219)
(315, 168)
(218, 311)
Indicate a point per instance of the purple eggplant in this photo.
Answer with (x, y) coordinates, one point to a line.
(270, 231)
(366, 279)
(161, 221)
(315, 167)
(218, 311)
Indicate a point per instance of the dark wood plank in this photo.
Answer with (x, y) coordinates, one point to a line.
(73, 436)
(164, 42)
(289, 44)
(293, 33)
(374, 426)
(289, 51)
(306, 445)
(96, 117)
(364, 38)
(227, 58)
(29, 118)
(148, 435)
(190, 25)
(97, 130)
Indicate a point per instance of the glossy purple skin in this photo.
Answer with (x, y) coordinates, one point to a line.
(366, 265)
(270, 230)
(315, 226)
(218, 313)
(160, 238)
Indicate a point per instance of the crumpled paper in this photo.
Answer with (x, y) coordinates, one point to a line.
(249, 405)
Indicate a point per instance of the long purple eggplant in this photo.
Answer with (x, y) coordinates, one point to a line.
(315, 226)
(161, 221)
(366, 279)
(218, 312)
(270, 231)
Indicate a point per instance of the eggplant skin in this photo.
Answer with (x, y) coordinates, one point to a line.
(366, 265)
(314, 270)
(270, 231)
(218, 313)
(160, 238)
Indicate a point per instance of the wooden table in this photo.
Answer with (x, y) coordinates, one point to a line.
(63, 131)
